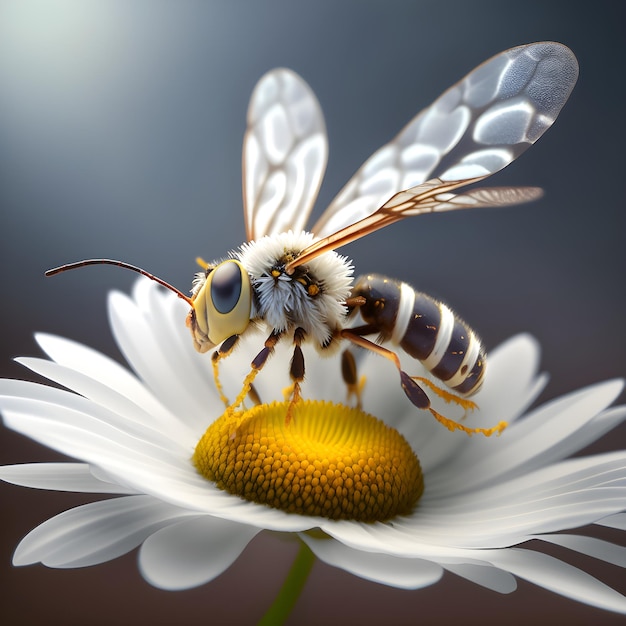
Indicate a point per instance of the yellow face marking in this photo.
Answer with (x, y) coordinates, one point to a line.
(212, 323)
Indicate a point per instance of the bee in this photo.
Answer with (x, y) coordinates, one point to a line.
(297, 286)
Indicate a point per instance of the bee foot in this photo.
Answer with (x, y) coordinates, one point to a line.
(448, 397)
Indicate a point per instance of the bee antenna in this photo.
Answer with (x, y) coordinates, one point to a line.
(127, 266)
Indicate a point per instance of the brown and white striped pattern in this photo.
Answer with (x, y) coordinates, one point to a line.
(425, 329)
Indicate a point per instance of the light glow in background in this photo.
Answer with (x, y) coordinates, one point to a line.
(121, 125)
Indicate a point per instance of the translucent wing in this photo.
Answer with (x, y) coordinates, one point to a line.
(429, 197)
(284, 154)
(473, 130)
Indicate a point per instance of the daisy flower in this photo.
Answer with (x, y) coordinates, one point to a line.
(412, 501)
(348, 466)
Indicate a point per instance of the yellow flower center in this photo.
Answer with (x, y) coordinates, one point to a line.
(329, 460)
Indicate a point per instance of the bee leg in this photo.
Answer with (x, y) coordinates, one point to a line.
(468, 405)
(296, 371)
(350, 377)
(227, 346)
(253, 394)
(353, 302)
(412, 390)
(257, 364)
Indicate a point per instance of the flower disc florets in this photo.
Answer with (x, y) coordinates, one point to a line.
(329, 460)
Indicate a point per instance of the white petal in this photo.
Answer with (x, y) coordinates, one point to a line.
(559, 577)
(192, 552)
(389, 539)
(322, 380)
(570, 494)
(587, 434)
(574, 493)
(132, 463)
(516, 451)
(122, 411)
(598, 549)
(75, 477)
(511, 386)
(404, 573)
(100, 367)
(485, 575)
(382, 395)
(512, 382)
(49, 410)
(166, 366)
(151, 332)
(261, 516)
(141, 466)
(614, 521)
(323, 377)
(571, 475)
(95, 533)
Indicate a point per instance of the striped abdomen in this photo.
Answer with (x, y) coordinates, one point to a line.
(425, 329)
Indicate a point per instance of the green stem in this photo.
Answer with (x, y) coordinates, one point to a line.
(290, 591)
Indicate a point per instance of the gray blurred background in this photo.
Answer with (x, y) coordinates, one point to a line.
(121, 125)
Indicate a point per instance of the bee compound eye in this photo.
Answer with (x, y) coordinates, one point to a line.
(226, 283)
(227, 301)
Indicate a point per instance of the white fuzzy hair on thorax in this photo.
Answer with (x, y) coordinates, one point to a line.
(284, 302)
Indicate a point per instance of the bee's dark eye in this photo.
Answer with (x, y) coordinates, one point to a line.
(226, 281)
(223, 304)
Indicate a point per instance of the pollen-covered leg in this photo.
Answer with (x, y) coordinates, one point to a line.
(296, 371)
(466, 404)
(349, 373)
(453, 425)
(221, 353)
(415, 393)
(257, 364)
(448, 396)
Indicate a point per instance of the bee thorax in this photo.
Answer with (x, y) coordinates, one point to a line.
(312, 298)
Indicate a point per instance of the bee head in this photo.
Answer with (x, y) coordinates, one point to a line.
(221, 305)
